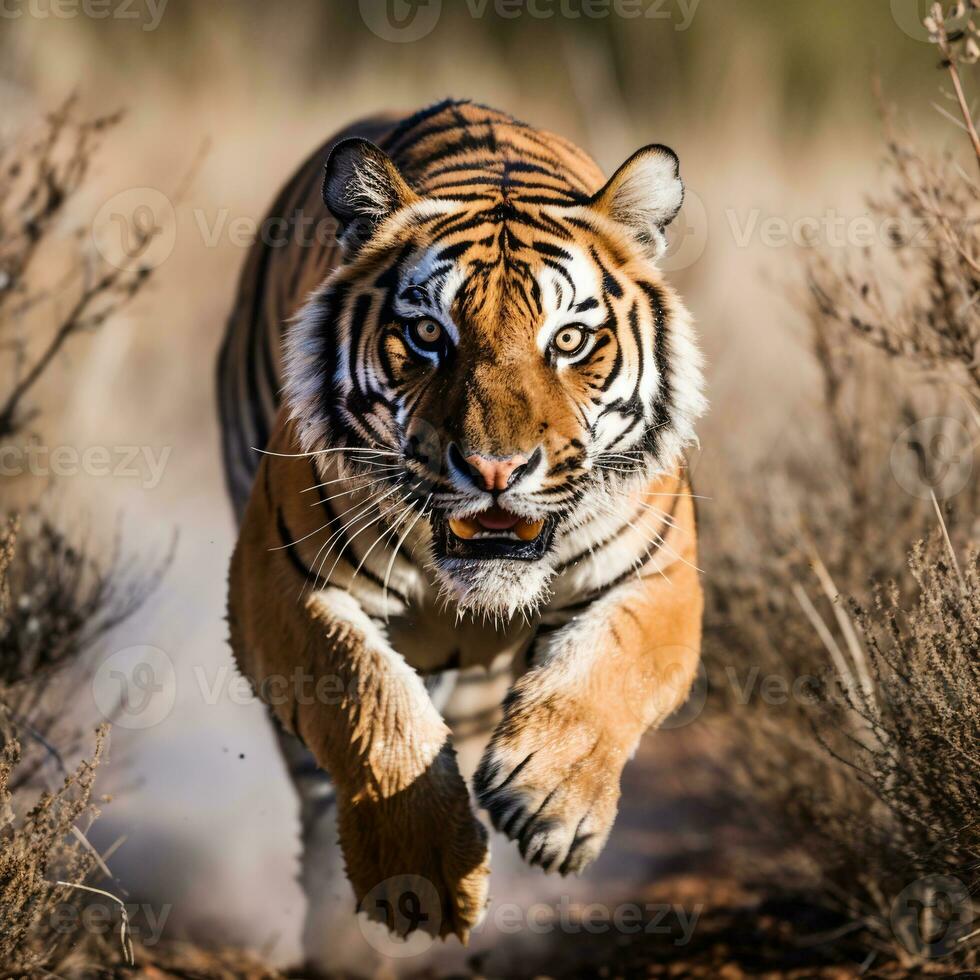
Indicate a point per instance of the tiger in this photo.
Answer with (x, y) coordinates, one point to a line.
(456, 396)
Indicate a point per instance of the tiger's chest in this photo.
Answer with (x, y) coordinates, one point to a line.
(431, 638)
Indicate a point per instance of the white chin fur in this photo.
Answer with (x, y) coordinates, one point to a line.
(496, 589)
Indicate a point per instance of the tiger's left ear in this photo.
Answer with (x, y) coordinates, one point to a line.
(644, 194)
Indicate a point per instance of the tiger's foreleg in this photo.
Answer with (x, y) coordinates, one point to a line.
(329, 932)
(550, 777)
(331, 677)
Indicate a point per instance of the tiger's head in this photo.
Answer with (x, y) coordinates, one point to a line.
(497, 349)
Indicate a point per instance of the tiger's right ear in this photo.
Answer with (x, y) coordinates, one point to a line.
(644, 195)
(362, 187)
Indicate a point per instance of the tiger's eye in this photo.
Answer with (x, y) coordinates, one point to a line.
(569, 340)
(426, 333)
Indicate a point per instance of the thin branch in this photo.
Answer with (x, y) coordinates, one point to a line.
(964, 108)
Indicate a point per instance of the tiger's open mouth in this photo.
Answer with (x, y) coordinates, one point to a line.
(494, 533)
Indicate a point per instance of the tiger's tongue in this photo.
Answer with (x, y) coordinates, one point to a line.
(497, 519)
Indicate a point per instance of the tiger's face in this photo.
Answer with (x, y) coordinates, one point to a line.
(512, 363)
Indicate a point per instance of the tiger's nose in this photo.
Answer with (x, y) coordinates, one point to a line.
(494, 473)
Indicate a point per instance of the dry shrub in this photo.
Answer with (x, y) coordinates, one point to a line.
(39, 175)
(43, 932)
(913, 735)
(36, 851)
(57, 601)
(59, 598)
(43, 617)
(843, 634)
(66, 599)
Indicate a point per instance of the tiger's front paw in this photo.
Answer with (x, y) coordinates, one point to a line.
(549, 780)
(418, 859)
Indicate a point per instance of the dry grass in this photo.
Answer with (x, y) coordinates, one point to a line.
(42, 835)
(38, 850)
(66, 599)
(58, 602)
(42, 854)
(855, 588)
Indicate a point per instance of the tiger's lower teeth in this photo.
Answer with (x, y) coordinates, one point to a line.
(467, 528)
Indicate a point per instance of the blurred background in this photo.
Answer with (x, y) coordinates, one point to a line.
(771, 110)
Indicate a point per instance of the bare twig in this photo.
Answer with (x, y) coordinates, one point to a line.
(937, 24)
